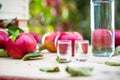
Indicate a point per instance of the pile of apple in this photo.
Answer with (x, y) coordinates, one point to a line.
(15, 42)
(24, 43)
(21, 44)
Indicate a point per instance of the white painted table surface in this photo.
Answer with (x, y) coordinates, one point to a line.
(28, 70)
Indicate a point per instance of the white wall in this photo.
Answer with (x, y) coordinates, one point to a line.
(14, 8)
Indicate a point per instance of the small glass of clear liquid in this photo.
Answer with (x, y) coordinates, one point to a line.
(64, 50)
(81, 50)
(102, 27)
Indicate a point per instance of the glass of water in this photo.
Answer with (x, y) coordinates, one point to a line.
(102, 27)
(81, 49)
(64, 50)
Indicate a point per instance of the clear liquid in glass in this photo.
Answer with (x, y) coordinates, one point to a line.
(102, 27)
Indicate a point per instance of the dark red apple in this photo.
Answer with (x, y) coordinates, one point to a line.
(117, 38)
(70, 36)
(25, 43)
(3, 39)
(37, 36)
(101, 38)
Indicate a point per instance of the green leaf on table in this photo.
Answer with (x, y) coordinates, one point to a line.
(79, 71)
(41, 47)
(61, 61)
(50, 69)
(33, 56)
(117, 51)
(3, 53)
(112, 63)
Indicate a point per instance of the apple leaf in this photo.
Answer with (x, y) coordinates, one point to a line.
(117, 51)
(41, 47)
(61, 61)
(15, 35)
(7, 22)
(13, 29)
(79, 71)
(50, 69)
(31, 56)
(3, 53)
(112, 63)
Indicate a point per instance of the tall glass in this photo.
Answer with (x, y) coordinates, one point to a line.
(102, 27)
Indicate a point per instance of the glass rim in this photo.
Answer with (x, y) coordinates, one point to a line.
(64, 41)
(81, 40)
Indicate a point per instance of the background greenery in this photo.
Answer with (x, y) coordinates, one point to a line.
(63, 15)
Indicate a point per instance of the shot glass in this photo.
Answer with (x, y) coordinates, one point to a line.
(81, 49)
(64, 50)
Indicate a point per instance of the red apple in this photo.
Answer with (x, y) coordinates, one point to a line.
(3, 39)
(25, 43)
(117, 37)
(101, 38)
(70, 36)
(37, 37)
(48, 41)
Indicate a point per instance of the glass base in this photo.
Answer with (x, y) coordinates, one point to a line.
(106, 54)
(81, 60)
(102, 52)
(64, 60)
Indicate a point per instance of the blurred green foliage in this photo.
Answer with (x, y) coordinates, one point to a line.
(117, 14)
(0, 5)
(63, 15)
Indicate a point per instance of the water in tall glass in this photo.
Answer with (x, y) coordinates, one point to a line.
(102, 27)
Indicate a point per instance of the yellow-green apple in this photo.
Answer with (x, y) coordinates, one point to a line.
(3, 39)
(101, 38)
(69, 36)
(25, 43)
(48, 41)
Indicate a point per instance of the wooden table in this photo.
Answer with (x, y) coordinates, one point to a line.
(17, 69)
